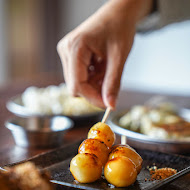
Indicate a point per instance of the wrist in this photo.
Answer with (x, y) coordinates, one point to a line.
(134, 10)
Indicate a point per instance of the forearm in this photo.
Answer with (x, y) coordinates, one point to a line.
(135, 10)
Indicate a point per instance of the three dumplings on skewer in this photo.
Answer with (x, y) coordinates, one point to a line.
(121, 163)
(93, 154)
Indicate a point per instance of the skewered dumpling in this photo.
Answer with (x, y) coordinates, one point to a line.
(86, 168)
(97, 147)
(102, 132)
(120, 171)
(127, 151)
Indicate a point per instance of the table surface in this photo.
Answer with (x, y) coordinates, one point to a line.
(10, 153)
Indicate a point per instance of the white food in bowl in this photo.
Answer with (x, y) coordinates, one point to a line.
(56, 100)
(156, 122)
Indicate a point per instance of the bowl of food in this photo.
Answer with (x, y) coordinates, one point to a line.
(52, 101)
(160, 128)
(39, 133)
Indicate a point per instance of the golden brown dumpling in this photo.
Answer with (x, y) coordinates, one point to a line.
(102, 132)
(120, 171)
(86, 168)
(95, 146)
(127, 151)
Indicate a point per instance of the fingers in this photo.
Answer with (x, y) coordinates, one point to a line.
(63, 57)
(91, 94)
(79, 75)
(111, 83)
(78, 62)
(76, 59)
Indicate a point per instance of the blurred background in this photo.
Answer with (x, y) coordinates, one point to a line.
(30, 29)
(29, 32)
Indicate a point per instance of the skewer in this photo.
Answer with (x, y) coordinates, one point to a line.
(123, 139)
(106, 114)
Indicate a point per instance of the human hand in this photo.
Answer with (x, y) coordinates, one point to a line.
(93, 55)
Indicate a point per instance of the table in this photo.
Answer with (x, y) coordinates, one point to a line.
(9, 153)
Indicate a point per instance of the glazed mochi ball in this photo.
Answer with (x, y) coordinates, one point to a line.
(86, 168)
(102, 132)
(120, 171)
(127, 151)
(97, 147)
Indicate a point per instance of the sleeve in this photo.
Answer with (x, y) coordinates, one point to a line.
(165, 12)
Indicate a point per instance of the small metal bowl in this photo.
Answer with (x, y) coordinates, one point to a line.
(39, 132)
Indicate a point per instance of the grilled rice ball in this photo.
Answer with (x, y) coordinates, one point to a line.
(97, 147)
(120, 171)
(102, 132)
(127, 151)
(86, 168)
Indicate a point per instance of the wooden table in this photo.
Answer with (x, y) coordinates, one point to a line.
(9, 153)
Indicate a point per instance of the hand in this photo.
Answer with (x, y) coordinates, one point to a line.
(93, 55)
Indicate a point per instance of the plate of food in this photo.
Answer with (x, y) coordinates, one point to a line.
(51, 101)
(97, 163)
(157, 169)
(162, 127)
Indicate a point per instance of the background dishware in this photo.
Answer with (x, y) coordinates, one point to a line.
(142, 141)
(39, 132)
(15, 105)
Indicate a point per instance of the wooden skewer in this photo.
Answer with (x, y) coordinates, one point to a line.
(123, 139)
(106, 115)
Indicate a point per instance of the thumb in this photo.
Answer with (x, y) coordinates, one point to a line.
(112, 78)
